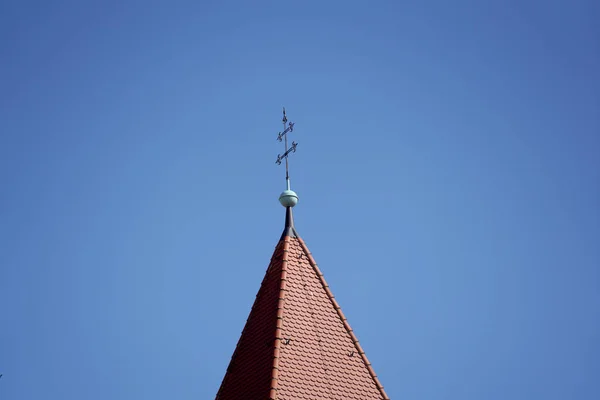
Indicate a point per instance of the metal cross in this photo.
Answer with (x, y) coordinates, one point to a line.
(287, 128)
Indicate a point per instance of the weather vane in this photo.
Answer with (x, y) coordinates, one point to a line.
(282, 136)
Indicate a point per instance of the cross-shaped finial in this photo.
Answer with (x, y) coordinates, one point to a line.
(287, 128)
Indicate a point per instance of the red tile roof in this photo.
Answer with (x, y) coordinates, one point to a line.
(297, 344)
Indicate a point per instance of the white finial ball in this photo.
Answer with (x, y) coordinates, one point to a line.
(288, 198)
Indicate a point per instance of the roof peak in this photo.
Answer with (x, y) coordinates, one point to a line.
(289, 230)
(297, 343)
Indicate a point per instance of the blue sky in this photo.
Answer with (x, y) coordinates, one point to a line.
(448, 171)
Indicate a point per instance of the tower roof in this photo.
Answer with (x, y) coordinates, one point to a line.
(297, 343)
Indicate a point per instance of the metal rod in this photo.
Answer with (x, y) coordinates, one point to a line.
(283, 135)
(287, 174)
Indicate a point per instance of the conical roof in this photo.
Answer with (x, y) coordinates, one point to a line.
(297, 343)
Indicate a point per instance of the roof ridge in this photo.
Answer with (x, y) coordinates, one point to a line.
(338, 309)
(274, 257)
(278, 326)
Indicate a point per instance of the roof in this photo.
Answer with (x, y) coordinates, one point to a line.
(297, 343)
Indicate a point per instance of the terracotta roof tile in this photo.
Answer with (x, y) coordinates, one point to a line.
(297, 344)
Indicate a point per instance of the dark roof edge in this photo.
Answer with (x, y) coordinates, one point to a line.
(289, 230)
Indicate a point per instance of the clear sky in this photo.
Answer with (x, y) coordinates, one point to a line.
(448, 169)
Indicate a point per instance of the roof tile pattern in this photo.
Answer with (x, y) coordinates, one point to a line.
(250, 369)
(297, 344)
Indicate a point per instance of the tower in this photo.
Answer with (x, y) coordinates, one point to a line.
(297, 343)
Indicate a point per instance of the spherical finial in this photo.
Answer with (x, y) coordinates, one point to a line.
(288, 198)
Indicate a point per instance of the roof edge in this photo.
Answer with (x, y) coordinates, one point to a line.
(277, 342)
(338, 309)
(279, 323)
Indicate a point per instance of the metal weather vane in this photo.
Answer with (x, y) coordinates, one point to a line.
(287, 128)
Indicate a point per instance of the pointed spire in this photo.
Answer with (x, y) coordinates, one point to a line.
(289, 230)
(297, 343)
